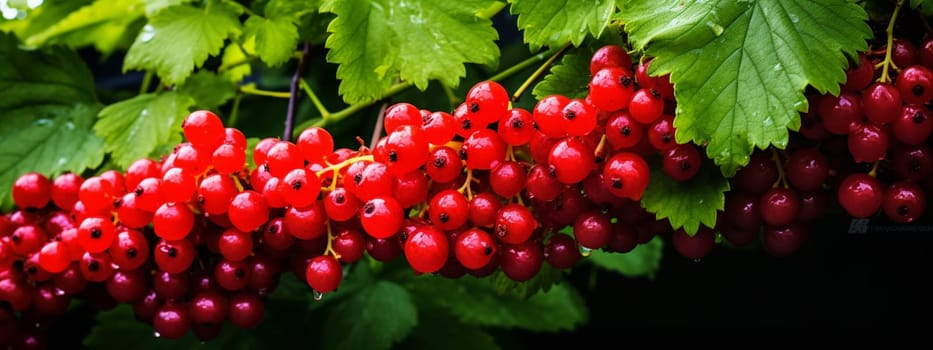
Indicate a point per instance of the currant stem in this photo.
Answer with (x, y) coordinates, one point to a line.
(782, 179)
(235, 110)
(890, 36)
(344, 164)
(147, 80)
(314, 99)
(874, 169)
(293, 92)
(234, 64)
(377, 128)
(534, 76)
(330, 242)
(466, 185)
(601, 147)
(251, 90)
(352, 109)
(509, 153)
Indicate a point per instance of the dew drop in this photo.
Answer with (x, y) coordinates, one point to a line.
(794, 18)
(147, 34)
(317, 295)
(697, 260)
(59, 292)
(156, 334)
(38, 325)
(777, 67)
(585, 251)
(715, 27)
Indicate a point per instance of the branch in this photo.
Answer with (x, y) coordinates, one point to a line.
(293, 93)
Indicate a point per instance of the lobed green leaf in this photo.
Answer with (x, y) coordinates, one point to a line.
(555, 23)
(477, 302)
(180, 38)
(375, 317)
(643, 261)
(686, 204)
(135, 128)
(376, 42)
(46, 114)
(740, 67)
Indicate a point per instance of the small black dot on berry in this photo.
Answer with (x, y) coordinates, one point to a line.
(685, 166)
(339, 198)
(474, 107)
(625, 80)
(139, 191)
(239, 273)
(368, 208)
(131, 253)
(357, 178)
(616, 183)
(439, 162)
(443, 217)
(465, 124)
(96, 233)
(666, 138)
(93, 266)
(570, 115)
(918, 118)
(393, 156)
(16, 238)
(296, 185)
(903, 210)
(917, 90)
(172, 252)
(654, 93)
(487, 250)
(626, 131)
(517, 123)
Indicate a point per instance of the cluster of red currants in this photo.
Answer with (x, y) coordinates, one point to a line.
(866, 150)
(198, 238)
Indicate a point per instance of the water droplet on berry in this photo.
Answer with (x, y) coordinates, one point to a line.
(697, 260)
(59, 292)
(317, 295)
(156, 334)
(585, 251)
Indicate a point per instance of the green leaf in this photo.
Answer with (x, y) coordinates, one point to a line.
(554, 23)
(118, 329)
(689, 203)
(570, 77)
(180, 38)
(377, 41)
(541, 282)
(294, 8)
(103, 23)
(42, 17)
(476, 302)
(643, 261)
(276, 38)
(438, 330)
(232, 65)
(376, 317)
(924, 6)
(136, 127)
(154, 6)
(757, 57)
(208, 89)
(46, 114)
